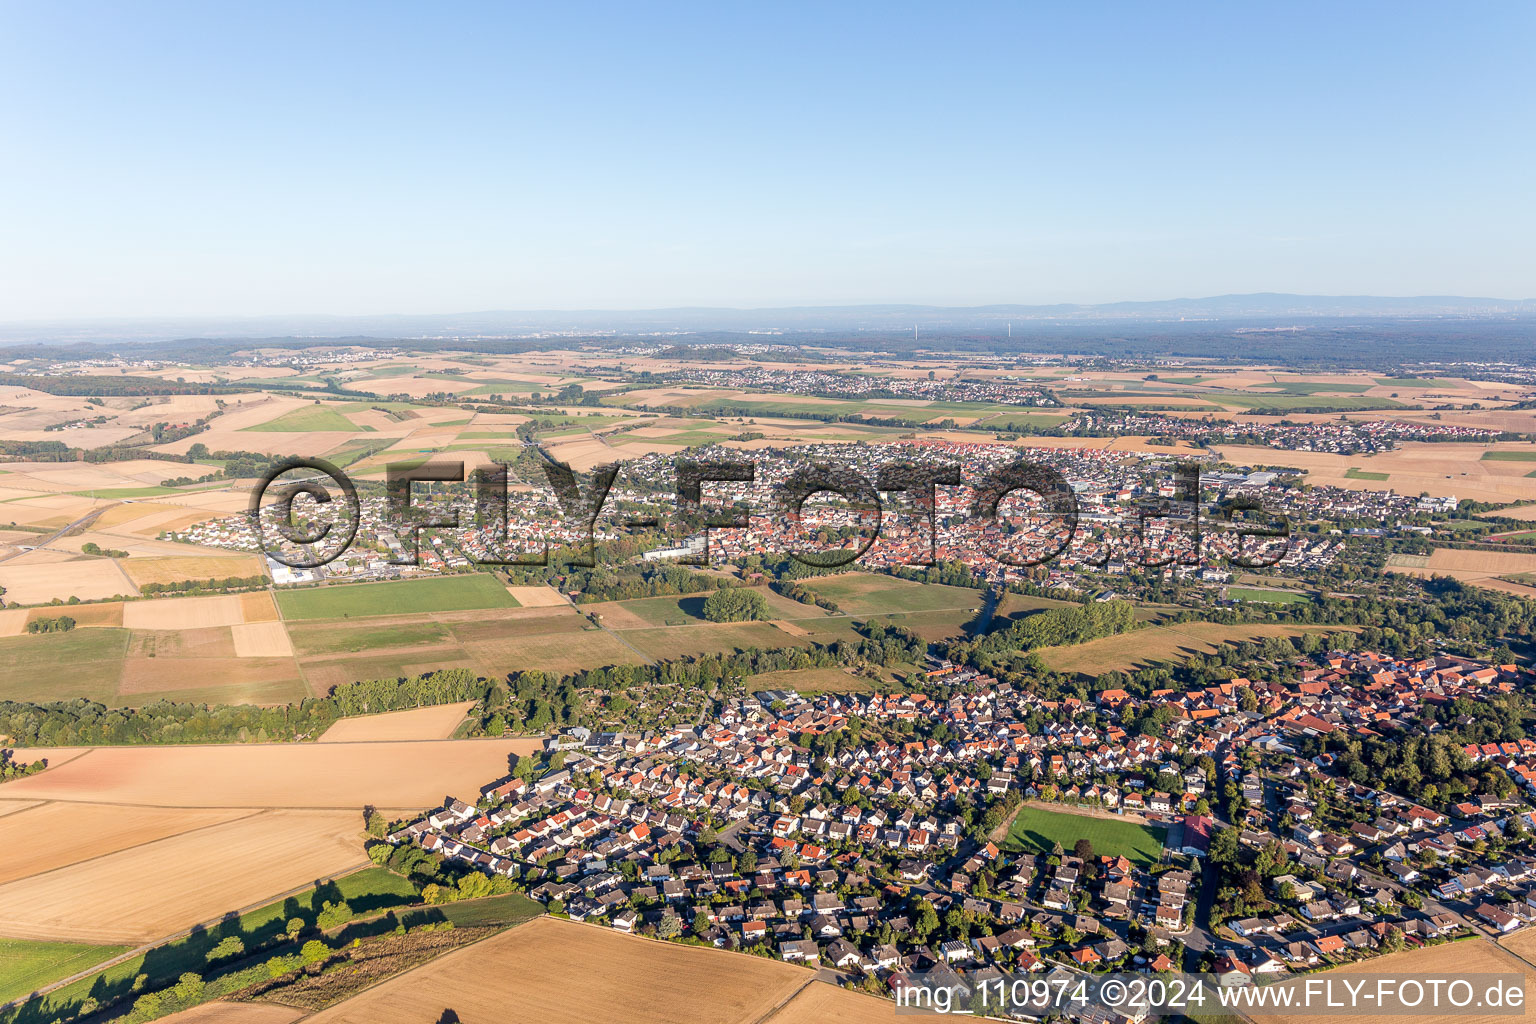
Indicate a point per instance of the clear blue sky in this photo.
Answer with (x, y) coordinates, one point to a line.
(213, 158)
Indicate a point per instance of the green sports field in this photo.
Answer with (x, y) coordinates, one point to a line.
(446, 594)
(1036, 830)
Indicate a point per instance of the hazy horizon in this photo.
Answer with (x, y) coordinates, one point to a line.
(183, 161)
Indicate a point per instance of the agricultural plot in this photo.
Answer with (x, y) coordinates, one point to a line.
(1155, 644)
(1447, 960)
(1266, 596)
(194, 567)
(811, 680)
(432, 723)
(261, 775)
(563, 973)
(31, 580)
(48, 836)
(1037, 830)
(822, 1003)
(708, 638)
(28, 965)
(155, 889)
(62, 666)
(448, 593)
(308, 419)
(869, 594)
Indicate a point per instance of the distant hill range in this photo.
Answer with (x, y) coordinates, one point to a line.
(1259, 307)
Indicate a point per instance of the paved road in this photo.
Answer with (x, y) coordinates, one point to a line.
(84, 520)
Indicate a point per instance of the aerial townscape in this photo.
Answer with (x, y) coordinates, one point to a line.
(787, 513)
(924, 742)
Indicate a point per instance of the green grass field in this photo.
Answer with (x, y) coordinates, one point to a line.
(62, 666)
(1415, 382)
(326, 638)
(1036, 830)
(307, 418)
(1510, 456)
(26, 966)
(860, 593)
(1356, 473)
(445, 594)
(1266, 596)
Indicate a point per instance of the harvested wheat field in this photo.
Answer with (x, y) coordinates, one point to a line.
(261, 640)
(537, 597)
(236, 1013)
(158, 888)
(185, 612)
(331, 775)
(47, 836)
(89, 579)
(197, 567)
(257, 606)
(106, 613)
(13, 621)
(434, 723)
(1449, 960)
(1142, 647)
(1480, 568)
(555, 972)
(823, 1003)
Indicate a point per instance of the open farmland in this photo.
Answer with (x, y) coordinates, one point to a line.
(236, 1013)
(26, 964)
(1143, 647)
(134, 843)
(172, 569)
(823, 1003)
(30, 580)
(47, 836)
(309, 775)
(1452, 959)
(869, 594)
(564, 973)
(155, 889)
(61, 666)
(450, 593)
(1037, 830)
(1493, 570)
(429, 723)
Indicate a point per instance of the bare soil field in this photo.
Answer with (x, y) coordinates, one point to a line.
(1479, 568)
(434, 723)
(1159, 643)
(1451, 959)
(261, 640)
(1437, 469)
(197, 567)
(155, 889)
(257, 606)
(236, 1013)
(558, 972)
(89, 579)
(825, 1003)
(537, 597)
(298, 775)
(48, 836)
(185, 612)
